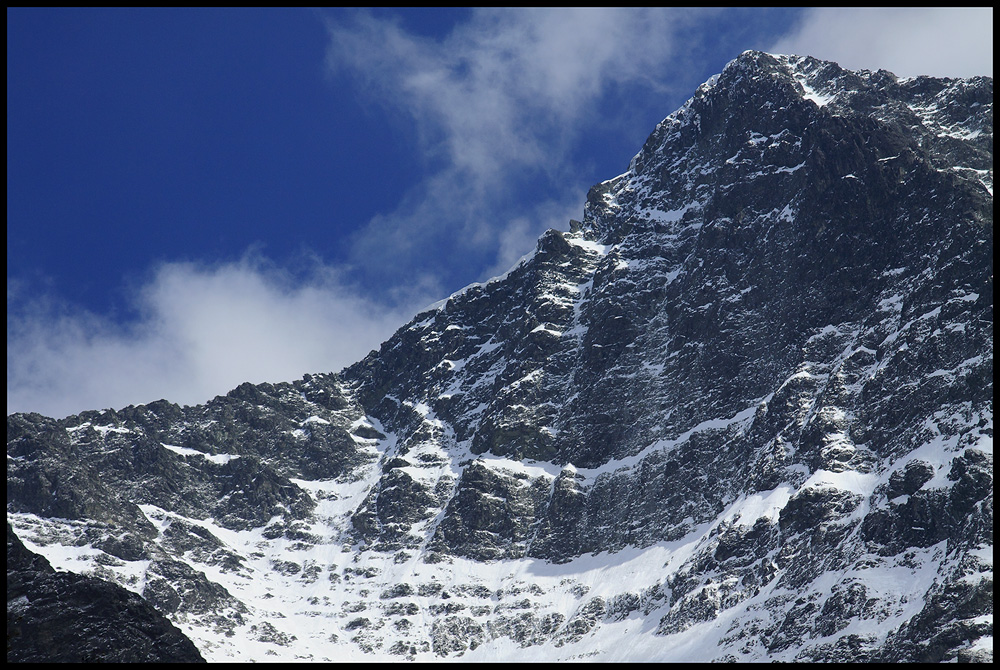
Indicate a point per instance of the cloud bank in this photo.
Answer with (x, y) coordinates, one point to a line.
(201, 331)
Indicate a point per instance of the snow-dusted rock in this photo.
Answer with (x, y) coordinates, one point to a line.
(743, 410)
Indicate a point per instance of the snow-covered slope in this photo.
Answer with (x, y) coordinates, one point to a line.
(743, 410)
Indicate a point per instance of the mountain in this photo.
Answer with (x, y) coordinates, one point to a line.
(743, 410)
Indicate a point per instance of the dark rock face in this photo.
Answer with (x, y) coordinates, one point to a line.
(59, 617)
(747, 401)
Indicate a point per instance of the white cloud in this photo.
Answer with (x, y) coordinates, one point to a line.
(498, 103)
(498, 91)
(907, 41)
(202, 331)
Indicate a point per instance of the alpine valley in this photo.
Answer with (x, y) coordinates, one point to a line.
(742, 411)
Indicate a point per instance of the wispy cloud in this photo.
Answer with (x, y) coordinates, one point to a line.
(200, 331)
(499, 105)
(907, 41)
(506, 88)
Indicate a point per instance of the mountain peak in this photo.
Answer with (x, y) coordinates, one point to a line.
(738, 116)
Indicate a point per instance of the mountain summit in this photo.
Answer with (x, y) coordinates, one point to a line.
(742, 411)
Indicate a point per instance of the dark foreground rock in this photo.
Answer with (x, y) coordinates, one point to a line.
(60, 617)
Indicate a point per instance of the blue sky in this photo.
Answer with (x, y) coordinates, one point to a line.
(201, 197)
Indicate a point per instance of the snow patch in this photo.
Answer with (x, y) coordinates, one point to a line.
(218, 459)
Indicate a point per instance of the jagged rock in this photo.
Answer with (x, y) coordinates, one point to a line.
(747, 401)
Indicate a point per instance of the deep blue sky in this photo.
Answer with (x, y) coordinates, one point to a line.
(136, 136)
(201, 197)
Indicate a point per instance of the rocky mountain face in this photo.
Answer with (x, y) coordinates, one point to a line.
(743, 410)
